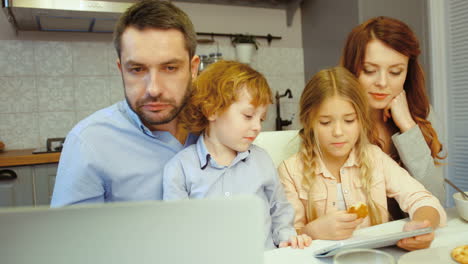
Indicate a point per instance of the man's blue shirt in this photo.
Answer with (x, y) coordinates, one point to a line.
(111, 156)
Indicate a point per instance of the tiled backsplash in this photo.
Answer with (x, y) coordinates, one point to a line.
(47, 87)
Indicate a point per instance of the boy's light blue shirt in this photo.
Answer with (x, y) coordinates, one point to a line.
(111, 156)
(192, 173)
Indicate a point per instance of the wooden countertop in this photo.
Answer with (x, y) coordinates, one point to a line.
(24, 157)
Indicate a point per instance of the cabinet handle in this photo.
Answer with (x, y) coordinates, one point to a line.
(7, 175)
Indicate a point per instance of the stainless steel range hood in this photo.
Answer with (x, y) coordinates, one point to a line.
(65, 15)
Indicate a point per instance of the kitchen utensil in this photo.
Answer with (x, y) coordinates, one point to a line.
(456, 188)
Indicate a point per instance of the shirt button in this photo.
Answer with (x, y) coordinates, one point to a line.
(346, 191)
(342, 171)
(227, 194)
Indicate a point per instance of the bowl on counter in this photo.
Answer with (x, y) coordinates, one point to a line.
(462, 205)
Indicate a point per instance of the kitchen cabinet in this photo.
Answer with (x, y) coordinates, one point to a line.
(33, 180)
(27, 185)
(16, 186)
(290, 6)
(44, 181)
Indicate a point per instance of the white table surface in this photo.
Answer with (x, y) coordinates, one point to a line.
(455, 233)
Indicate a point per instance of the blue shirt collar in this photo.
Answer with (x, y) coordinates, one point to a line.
(136, 119)
(205, 157)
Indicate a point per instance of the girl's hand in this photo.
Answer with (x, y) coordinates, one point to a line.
(299, 241)
(417, 242)
(333, 226)
(399, 111)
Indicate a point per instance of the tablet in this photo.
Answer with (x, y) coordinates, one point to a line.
(373, 242)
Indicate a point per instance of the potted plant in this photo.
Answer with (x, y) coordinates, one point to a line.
(245, 46)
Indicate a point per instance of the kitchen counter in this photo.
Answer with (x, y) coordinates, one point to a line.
(24, 157)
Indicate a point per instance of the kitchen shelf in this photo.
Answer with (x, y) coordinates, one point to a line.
(290, 6)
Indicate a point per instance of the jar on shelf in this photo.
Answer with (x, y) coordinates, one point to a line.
(214, 57)
(204, 62)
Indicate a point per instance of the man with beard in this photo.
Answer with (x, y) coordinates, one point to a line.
(118, 153)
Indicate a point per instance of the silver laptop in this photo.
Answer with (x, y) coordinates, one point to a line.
(187, 232)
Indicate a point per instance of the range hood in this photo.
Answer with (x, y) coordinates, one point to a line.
(65, 15)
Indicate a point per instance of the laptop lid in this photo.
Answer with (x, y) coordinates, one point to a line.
(208, 231)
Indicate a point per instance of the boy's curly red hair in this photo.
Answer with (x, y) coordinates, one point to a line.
(217, 87)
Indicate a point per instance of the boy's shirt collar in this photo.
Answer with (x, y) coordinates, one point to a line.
(206, 159)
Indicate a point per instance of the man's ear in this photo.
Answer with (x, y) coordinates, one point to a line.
(117, 61)
(194, 63)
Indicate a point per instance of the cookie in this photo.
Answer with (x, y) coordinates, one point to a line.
(360, 209)
(460, 254)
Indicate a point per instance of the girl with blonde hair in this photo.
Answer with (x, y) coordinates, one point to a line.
(338, 166)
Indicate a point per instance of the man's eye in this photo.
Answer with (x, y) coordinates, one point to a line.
(136, 69)
(171, 68)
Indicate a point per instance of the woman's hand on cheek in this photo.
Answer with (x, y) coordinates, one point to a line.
(417, 242)
(398, 110)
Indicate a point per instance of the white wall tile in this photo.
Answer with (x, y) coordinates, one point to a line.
(80, 115)
(280, 61)
(55, 94)
(8, 55)
(91, 93)
(111, 59)
(17, 58)
(89, 58)
(53, 58)
(116, 89)
(18, 95)
(54, 125)
(19, 130)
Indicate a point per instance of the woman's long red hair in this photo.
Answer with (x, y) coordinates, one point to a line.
(398, 36)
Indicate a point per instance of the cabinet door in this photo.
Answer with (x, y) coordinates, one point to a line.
(44, 176)
(16, 187)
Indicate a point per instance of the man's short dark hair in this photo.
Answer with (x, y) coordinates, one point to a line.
(159, 15)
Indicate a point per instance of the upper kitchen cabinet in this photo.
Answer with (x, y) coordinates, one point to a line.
(101, 16)
(290, 6)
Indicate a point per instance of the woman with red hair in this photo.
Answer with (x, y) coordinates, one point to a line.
(383, 53)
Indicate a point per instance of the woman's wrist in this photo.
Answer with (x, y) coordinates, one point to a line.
(409, 124)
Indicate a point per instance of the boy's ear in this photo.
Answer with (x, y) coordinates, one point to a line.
(212, 117)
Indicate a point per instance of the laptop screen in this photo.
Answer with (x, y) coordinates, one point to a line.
(190, 231)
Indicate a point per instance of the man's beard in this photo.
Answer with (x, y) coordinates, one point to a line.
(149, 119)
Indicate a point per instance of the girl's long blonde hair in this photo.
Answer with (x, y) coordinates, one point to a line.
(325, 84)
